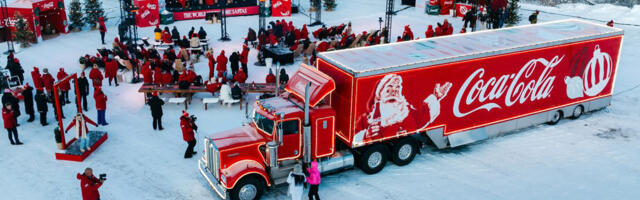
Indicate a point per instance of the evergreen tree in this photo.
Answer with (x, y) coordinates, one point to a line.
(23, 34)
(329, 5)
(93, 10)
(512, 13)
(75, 15)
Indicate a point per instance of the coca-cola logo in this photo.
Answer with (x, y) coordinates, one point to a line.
(47, 5)
(151, 6)
(277, 4)
(144, 14)
(515, 88)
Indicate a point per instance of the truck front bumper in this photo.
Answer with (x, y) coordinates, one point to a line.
(213, 182)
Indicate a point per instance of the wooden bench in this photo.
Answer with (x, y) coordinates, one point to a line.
(179, 100)
(206, 101)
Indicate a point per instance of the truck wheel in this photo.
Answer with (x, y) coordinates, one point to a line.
(557, 116)
(404, 152)
(373, 159)
(248, 188)
(577, 112)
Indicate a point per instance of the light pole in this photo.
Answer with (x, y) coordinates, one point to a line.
(223, 25)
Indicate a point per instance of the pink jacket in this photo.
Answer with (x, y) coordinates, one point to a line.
(314, 174)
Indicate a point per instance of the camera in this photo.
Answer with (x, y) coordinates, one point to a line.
(103, 177)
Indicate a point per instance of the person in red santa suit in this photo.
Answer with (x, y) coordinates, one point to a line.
(147, 74)
(222, 64)
(47, 82)
(157, 76)
(191, 75)
(213, 85)
(240, 77)
(390, 113)
(429, 33)
(270, 77)
(407, 34)
(96, 76)
(64, 87)
(244, 58)
(89, 185)
(212, 62)
(187, 125)
(37, 78)
(80, 124)
(111, 70)
(166, 78)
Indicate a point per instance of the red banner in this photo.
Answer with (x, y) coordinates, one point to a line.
(200, 14)
(433, 2)
(466, 95)
(461, 9)
(148, 13)
(280, 8)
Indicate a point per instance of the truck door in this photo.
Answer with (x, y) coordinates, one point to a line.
(291, 146)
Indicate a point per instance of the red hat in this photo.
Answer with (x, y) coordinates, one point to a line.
(16, 60)
(155, 93)
(35, 68)
(26, 84)
(82, 74)
(185, 114)
(62, 69)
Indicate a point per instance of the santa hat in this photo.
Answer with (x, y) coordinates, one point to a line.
(35, 68)
(62, 69)
(82, 73)
(185, 114)
(155, 93)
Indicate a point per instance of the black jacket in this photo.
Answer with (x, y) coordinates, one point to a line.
(236, 92)
(175, 34)
(202, 34)
(28, 99)
(284, 78)
(8, 98)
(41, 101)
(155, 104)
(234, 59)
(83, 86)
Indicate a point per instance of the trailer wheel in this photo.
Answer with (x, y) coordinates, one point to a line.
(248, 188)
(577, 112)
(373, 159)
(557, 116)
(404, 151)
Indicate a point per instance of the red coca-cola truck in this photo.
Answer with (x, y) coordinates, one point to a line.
(364, 106)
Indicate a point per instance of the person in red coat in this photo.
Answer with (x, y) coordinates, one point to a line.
(166, 78)
(10, 123)
(270, 77)
(191, 75)
(147, 74)
(222, 64)
(103, 28)
(429, 33)
(89, 185)
(37, 78)
(111, 70)
(244, 58)
(240, 77)
(101, 105)
(47, 82)
(96, 76)
(304, 33)
(188, 126)
(213, 85)
(65, 86)
(407, 34)
(212, 62)
(166, 37)
(157, 76)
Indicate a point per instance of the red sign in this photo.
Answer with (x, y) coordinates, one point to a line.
(280, 8)
(433, 2)
(445, 6)
(466, 95)
(200, 14)
(148, 13)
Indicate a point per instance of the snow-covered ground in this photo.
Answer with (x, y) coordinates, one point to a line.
(594, 157)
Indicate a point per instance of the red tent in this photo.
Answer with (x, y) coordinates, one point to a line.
(40, 14)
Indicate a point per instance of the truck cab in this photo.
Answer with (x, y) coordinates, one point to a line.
(289, 129)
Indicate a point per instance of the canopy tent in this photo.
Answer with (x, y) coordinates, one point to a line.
(48, 14)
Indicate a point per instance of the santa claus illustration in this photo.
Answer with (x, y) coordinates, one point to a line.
(391, 113)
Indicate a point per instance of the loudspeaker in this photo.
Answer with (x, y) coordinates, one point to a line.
(294, 9)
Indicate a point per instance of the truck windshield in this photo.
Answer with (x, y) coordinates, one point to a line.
(263, 123)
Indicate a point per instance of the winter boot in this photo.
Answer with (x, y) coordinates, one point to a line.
(31, 118)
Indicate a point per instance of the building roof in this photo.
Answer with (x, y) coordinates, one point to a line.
(378, 59)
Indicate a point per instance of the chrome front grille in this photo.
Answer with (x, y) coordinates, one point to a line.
(212, 156)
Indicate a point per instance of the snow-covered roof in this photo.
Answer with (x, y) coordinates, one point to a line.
(399, 56)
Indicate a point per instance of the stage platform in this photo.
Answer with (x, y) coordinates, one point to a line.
(73, 153)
